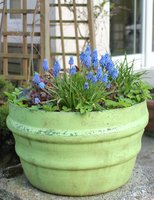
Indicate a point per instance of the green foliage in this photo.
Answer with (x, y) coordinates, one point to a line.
(3, 114)
(67, 92)
(14, 97)
(70, 95)
(5, 86)
(130, 87)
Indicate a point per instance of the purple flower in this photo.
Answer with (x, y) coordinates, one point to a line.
(41, 85)
(73, 70)
(86, 85)
(89, 76)
(45, 65)
(94, 79)
(56, 68)
(36, 100)
(36, 78)
(105, 78)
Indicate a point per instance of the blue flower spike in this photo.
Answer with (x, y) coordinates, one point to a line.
(71, 61)
(36, 78)
(105, 78)
(45, 65)
(56, 68)
(94, 59)
(94, 79)
(114, 74)
(88, 50)
(41, 85)
(90, 75)
(37, 100)
(86, 85)
(73, 70)
(99, 73)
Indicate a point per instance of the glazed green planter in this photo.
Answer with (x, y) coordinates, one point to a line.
(77, 155)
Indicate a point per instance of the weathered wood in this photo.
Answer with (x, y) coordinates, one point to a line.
(18, 11)
(62, 34)
(5, 46)
(90, 8)
(19, 33)
(68, 21)
(31, 62)
(18, 55)
(15, 77)
(69, 37)
(60, 53)
(76, 32)
(45, 31)
(25, 61)
(68, 5)
(1, 30)
(45, 37)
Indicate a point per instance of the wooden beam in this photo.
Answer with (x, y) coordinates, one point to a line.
(17, 55)
(24, 47)
(76, 32)
(91, 23)
(45, 31)
(19, 11)
(5, 45)
(19, 33)
(62, 34)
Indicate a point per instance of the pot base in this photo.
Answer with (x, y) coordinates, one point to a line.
(78, 182)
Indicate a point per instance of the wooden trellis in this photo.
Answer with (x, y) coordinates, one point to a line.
(28, 54)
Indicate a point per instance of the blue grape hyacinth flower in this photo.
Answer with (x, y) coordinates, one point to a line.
(105, 78)
(71, 60)
(86, 85)
(105, 59)
(114, 74)
(94, 59)
(36, 100)
(45, 65)
(99, 73)
(41, 85)
(56, 68)
(85, 60)
(94, 79)
(85, 57)
(36, 78)
(88, 50)
(90, 75)
(73, 70)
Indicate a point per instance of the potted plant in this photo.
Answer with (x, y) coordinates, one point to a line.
(78, 132)
(150, 127)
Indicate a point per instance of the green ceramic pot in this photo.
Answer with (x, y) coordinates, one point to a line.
(68, 153)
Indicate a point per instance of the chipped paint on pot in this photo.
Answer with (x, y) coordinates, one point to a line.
(67, 153)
